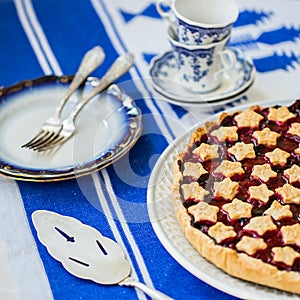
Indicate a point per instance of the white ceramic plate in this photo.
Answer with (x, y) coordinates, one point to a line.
(167, 228)
(107, 128)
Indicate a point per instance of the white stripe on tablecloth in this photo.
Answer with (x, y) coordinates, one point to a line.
(156, 115)
(25, 264)
(41, 37)
(120, 216)
(111, 222)
(8, 289)
(32, 38)
(99, 8)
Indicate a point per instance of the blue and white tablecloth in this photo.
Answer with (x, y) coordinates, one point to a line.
(39, 37)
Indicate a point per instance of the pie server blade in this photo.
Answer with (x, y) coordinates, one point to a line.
(85, 252)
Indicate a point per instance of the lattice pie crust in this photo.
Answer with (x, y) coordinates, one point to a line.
(236, 194)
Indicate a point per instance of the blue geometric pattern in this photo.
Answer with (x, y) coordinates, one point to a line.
(148, 57)
(276, 62)
(149, 11)
(248, 17)
(180, 111)
(279, 35)
(271, 37)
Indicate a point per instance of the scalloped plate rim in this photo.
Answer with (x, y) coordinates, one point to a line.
(11, 170)
(230, 285)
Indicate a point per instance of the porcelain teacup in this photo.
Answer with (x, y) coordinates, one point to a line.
(201, 68)
(197, 22)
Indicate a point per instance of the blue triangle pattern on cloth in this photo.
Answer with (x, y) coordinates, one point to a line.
(150, 11)
(248, 17)
(276, 62)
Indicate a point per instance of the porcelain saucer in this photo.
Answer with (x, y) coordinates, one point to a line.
(164, 75)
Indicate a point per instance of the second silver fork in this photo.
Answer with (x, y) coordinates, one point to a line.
(91, 60)
(121, 65)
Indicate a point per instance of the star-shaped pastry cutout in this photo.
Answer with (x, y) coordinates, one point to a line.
(289, 194)
(286, 255)
(280, 114)
(203, 211)
(251, 245)
(248, 118)
(241, 151)
(295, 129)
(263, 172)
(199, 132)
(278, 156)
(206, 151)
(278, 211)
(193, 191)
(261, 224)
(226, 133)
(229, 168)
(226, 189)
(193, 169)
(260, 192)
(238, 209)
(293, 174)
(266, 137)
(220, 232)
(291, 234)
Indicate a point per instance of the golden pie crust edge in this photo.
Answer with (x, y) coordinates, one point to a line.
(237, 264)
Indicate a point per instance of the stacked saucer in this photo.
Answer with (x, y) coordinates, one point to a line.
(201, 69)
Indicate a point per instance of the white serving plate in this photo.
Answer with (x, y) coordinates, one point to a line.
(167, 228)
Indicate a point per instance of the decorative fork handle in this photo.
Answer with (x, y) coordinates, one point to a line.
(121, 65)
(91, 60)
(154, 294)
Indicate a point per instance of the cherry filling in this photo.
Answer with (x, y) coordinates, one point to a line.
(286, 142)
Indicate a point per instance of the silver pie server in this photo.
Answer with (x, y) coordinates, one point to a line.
(85, 253)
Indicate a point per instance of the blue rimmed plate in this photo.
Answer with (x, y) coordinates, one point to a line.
(107, 128)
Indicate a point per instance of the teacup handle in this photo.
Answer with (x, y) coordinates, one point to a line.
(228, 60)
(167, 15)
(161, 11)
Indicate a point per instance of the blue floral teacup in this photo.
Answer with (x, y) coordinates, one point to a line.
(201, 68)
(197, 22)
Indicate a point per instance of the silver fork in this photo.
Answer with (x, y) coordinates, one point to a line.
(121, 65)
(91, 60)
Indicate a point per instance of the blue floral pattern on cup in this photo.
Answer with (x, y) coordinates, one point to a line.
(200, 67)
(196, 35)
(198, 22)
(197, 62)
